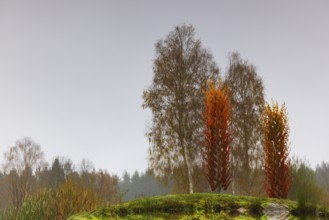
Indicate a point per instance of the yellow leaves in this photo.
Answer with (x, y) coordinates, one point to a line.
(276, 150)
(275, 123)
(216, 149)
(217, 103)
(73, 198)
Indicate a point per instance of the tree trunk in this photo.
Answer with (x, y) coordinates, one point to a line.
(190, 176)
(233, 181)
(189, 169)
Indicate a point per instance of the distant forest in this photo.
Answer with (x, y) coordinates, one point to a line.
(68, 188)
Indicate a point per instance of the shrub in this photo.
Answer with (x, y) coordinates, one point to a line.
(10, 213)
(73, 198)
(41, 205)
(255, 208)
(48, 204)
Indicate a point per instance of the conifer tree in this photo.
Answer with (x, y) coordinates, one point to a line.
(276, 151)
(216, 148)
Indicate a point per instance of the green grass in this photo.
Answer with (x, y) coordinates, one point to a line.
(187, 206)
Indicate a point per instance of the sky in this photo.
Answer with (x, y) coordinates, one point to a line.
(72, 73)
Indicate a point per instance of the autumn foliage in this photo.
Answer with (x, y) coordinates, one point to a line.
(216, 147)
(276, 151)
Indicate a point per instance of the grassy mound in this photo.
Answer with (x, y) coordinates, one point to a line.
(187, 206)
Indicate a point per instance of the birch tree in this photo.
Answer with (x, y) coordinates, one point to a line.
(21, 162)
(247, 99)
(175, 98)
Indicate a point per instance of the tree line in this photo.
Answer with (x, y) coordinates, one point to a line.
(30, 188)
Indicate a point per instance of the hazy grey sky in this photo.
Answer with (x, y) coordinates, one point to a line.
(72, 72)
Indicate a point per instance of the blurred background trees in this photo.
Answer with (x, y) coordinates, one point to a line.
(322, 175)
(56, 191)
(21, 163)
(140, 185)
(247, 100)
(306, 189)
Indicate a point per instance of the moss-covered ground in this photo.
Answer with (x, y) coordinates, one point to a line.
(188, 206)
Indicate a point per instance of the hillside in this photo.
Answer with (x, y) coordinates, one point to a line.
(195, 206)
